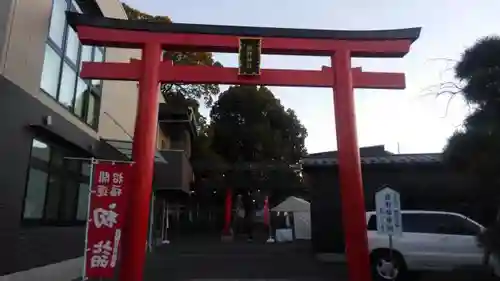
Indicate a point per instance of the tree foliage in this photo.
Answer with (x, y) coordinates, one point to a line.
(474, 149)
(204, 92)
(250, 125)
(470, 149)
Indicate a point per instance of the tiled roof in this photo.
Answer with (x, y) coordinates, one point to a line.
(366, 151)
(389, 159)
(246, 166)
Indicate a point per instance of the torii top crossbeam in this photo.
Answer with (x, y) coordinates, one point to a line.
(313, 42)
(212, 38)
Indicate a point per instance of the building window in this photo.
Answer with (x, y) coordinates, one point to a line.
(50, 72)
(57, 189)
(83, 201)
(35, 194)
(64, 55)
(58, 22)
(67, 86)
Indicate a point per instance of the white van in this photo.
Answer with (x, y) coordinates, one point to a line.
(431, 241)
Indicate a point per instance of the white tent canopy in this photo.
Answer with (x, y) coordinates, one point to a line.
(301, 210)
(293, 204)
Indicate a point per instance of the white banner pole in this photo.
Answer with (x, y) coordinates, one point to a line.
(151, 221)
(98, 160)
(91, 174)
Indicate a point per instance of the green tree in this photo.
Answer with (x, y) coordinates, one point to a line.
(473, 149)
(204, 92)
(249, 125)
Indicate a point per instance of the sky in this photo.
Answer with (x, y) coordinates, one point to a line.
(413, 120)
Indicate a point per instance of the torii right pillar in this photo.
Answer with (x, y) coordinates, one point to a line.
(353, 209)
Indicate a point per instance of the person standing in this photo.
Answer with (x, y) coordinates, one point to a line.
(239, 215)
(249, 215)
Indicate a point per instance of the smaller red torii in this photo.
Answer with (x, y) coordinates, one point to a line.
(155, 37)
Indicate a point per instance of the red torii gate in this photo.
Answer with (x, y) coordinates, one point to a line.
(153, 37)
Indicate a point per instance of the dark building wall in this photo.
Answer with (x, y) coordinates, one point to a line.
(24, 247)
(422, 186)
(176, 174)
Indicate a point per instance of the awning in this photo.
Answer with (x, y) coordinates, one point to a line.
(51, 132)
(125, 147)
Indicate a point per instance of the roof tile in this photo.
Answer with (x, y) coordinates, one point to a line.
(389, 159)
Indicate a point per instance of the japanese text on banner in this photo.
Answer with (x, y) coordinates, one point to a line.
(105, 218)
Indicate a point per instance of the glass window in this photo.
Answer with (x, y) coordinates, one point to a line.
(73, 45)
(91, 112)
(99, 55)
(437, 223)
(72, 53)
(418, 223)
(53, 191)
(67, 85)
(40, 150)
(83, 201)
(85, 169)
(58, 22)
(53, 197)
(50, 72)
(470, 228)
(56, 159)
(86, 54)
(96, 83)
(71, 189)
(35, 194)
(456, 225)
(72, 165)
(81, 91)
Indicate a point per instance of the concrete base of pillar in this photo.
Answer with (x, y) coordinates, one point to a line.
(227, 238)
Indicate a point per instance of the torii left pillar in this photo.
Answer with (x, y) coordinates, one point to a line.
(133, 252)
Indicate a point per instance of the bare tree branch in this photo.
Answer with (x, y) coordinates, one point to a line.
(451, 89)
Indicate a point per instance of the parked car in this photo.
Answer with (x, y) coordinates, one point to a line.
(431, 241)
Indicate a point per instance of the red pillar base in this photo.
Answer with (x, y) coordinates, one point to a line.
(227, 238)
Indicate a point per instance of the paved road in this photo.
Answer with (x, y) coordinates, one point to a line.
(211, 259)
(215, 260)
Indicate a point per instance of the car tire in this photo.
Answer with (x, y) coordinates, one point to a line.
(383, 262)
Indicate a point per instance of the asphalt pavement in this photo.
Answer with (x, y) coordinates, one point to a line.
(239, 260)
(209, 258)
